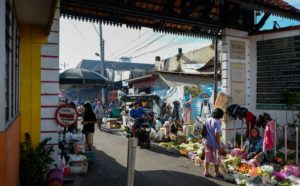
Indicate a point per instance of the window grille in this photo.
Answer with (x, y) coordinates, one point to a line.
(12, 76)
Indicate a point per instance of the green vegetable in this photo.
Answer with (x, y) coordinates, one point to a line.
(284, 183)
(236, 161)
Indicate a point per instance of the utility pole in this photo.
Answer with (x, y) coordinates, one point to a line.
(101, 62)
(215, 69)
(64, 65)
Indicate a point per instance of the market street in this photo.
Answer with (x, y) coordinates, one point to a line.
(153, 167)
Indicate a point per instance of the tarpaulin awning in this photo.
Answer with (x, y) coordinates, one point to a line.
(83, 76)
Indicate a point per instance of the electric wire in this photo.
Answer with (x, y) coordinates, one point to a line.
(128, 44)
(166, 46)
(96, 29)
(80, 33)
(151, 42)
(134, 47)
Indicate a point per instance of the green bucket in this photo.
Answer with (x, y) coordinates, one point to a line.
(90, 156)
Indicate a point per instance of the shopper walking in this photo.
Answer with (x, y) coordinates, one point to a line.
(99, 112)
(89, 120)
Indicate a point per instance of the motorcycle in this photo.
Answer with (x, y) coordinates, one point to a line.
(142, 131)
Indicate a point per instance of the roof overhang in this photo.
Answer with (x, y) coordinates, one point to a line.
(203, 74)
(35, 12)
(275, 7)
(188, 17)
(142, 78)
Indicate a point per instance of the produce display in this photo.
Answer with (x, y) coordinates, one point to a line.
(239, 171)
(243, 168)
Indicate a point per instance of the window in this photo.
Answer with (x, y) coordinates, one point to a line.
(12, 90)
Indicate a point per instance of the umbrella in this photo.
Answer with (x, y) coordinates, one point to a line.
(82, 76)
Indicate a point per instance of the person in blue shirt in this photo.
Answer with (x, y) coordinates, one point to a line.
(138, 114)
(94, 104)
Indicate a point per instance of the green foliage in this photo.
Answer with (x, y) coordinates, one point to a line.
(291, 97)
(194, 90)
(34, 161)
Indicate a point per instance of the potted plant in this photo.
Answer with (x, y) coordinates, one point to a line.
(34, 161)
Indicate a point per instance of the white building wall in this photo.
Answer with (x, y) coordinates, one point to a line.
(281, 116)
(50, 85)
(250, 61)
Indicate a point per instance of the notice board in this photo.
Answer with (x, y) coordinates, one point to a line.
(238, 83)
(278, 72)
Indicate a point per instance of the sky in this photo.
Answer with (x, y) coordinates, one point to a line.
(80, 40)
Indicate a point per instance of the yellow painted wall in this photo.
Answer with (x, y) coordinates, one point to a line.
(31, 39)
(10, 154)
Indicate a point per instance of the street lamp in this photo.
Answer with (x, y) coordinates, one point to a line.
(100, 64)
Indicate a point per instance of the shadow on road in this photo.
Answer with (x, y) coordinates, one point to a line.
(107, 171)
(154, 146)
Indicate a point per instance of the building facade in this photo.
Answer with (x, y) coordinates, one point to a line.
(29, 45)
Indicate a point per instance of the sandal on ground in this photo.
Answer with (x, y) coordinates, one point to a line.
(220, 176)
(208, 175)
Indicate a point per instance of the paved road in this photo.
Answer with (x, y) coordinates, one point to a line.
(153, 167)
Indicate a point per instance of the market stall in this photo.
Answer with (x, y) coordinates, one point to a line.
(281, 168)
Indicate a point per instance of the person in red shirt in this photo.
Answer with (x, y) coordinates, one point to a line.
(249, 117)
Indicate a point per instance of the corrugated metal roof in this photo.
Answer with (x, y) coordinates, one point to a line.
(94, 65)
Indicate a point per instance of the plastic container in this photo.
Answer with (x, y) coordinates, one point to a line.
(79, 167)
(78, 164)
(55, 177)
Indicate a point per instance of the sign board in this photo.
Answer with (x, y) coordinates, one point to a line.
(222, 102)
(278, 71)
(237, 49)
(66, 115)
(238, 83)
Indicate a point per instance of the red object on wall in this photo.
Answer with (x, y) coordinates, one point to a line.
(66, 115)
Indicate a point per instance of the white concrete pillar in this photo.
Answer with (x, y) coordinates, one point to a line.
(50, 85)
(235, 76)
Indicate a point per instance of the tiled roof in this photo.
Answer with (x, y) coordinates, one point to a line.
(198, 18)
(275, 7)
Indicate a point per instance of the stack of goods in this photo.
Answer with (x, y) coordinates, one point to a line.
(113, 123)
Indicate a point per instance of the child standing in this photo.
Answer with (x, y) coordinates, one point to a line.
(212, 142)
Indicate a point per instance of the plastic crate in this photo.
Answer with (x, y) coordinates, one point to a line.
(78, 164)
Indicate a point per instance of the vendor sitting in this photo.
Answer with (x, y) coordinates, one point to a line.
(165, 131)
(252, 148)
(175, 126)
